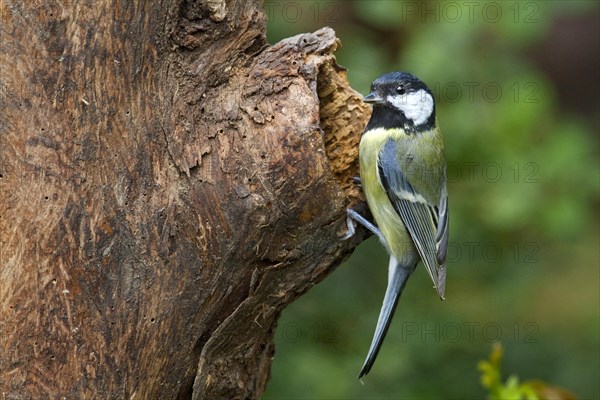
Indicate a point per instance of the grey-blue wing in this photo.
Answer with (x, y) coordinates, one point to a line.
(426, 223)
(441, 239)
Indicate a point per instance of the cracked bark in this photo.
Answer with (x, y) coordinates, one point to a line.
(169, 183)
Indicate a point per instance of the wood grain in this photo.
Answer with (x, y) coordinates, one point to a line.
(169, 182)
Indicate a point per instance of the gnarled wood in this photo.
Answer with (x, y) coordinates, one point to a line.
(169, 183)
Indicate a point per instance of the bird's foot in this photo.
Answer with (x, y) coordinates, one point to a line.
(351, 227)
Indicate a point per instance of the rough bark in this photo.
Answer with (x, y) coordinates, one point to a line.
(169, 183)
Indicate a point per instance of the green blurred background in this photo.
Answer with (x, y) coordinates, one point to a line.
(516, 85)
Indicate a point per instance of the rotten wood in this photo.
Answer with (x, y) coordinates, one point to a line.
(169, 182)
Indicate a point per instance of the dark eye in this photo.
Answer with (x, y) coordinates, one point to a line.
(401, 89)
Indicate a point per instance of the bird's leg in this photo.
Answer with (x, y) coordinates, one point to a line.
(354, 216)
(356, 181)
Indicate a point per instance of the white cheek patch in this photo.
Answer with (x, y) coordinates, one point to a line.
(416, 106)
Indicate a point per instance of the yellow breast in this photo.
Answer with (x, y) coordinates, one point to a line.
(385, 216)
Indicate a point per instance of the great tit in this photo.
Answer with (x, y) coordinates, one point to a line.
(403, 177)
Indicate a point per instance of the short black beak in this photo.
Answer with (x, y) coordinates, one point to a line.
(373, 98)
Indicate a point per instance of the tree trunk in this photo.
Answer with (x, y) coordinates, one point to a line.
(169, 183)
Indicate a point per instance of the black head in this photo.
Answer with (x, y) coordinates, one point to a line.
(401, 100)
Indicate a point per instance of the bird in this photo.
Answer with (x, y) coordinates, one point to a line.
(403, 177)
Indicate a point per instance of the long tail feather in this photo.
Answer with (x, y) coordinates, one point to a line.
(397, 277)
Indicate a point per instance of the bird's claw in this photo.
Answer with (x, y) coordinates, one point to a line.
(350, 224)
